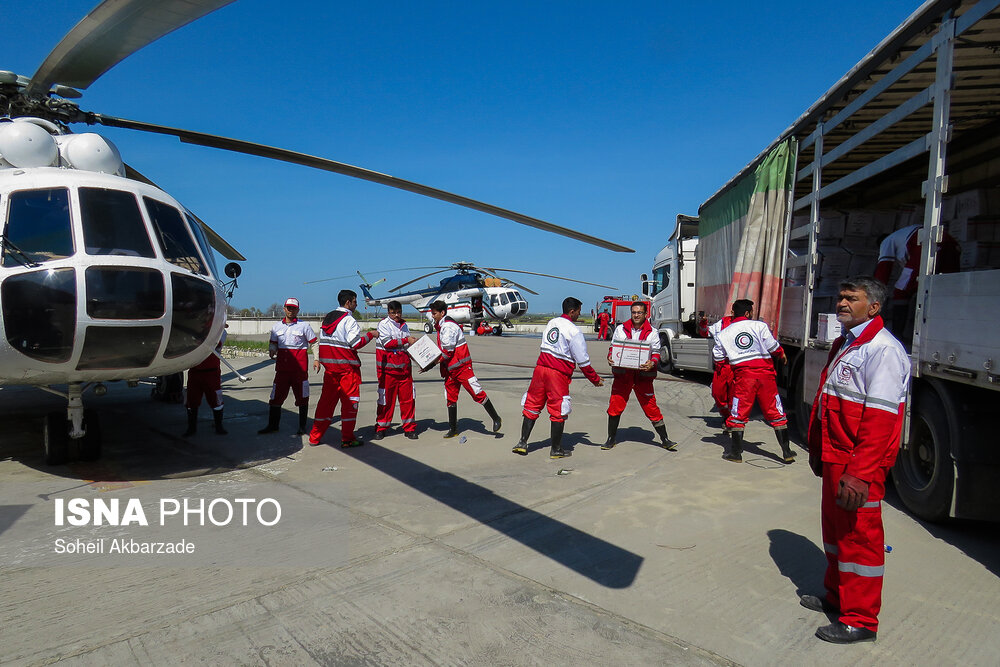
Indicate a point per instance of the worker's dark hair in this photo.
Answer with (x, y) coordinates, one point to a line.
(394, 305)
(640, 303)
(571, 303)
(873, 289)
(439, 306)
(345, 296)
(742, 307)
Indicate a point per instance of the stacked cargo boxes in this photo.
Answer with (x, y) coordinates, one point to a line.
(973, 219)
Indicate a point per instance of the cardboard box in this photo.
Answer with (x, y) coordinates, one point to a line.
(984, 228)
(425, 352)
(862, 263)
(856, 244)
(979, 254)
(980, 201)
(828, 328)
(910, 214)
(834, 263)
(629, 354)
(832, 224)
(959, 229)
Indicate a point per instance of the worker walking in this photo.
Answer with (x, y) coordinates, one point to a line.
(563, 348)
(394, 373)
(638, 380)
(854, 434)
(602, 320)
(748, 346)
(339, 341)
(205, 379)
(289, 347)
(456, 368)
(722, 373)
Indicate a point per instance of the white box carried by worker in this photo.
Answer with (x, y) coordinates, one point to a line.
(629, 353)
(425, 352)
(829, 327)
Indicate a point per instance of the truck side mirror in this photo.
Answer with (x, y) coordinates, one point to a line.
(645, 284)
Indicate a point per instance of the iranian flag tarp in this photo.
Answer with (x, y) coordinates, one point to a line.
(742, 237)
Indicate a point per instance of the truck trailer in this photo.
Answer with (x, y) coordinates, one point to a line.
(908, 138)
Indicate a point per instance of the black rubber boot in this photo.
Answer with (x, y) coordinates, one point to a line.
(492, 412)
(192, 422)
(787, 455)
(452, 421)
(273, 418)
(557, 433)
(612, 430)
(303, 418)
(217, 418)
(735, 452)
(665, 442)
(522, 445)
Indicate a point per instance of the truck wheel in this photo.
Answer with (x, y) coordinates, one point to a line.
(797, 402)
(924, 474)
(666, 365)
(56, 438)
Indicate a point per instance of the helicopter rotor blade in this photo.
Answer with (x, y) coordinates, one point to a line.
(526, 289)
(215, 240)
(260, 150)
(410, 282)
(111, 32)
(358, 273)
(549, 275)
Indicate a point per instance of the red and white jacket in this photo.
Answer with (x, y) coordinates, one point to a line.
(713, 331)
(454, 350)
(625, 332)
(857, 417)
(292, 340)
(564, 348)
(340, 338)
(390, 348)
(747, 344)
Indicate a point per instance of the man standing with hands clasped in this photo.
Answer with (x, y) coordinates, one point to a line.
(638, 380)
(394, 373)
(563, 349)
(854, 434)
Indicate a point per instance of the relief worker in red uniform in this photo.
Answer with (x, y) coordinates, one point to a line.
(394, 373)
(340, 339)
(722, 376)
(854, 434)
(563, 349)
(289, 346)
(603, 318)
(639, 381)
(748, 346)
(205, 379)
(456, 368)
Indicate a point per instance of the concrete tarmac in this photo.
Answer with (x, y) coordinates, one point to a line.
(455, 552)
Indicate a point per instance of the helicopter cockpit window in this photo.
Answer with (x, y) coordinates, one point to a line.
(38, 227)
(503, 299)
(206, 249)
(112, 224)
(175, 240)
(494, 300)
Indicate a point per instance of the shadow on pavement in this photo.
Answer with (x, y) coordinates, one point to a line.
(600, 561)
(798, 559)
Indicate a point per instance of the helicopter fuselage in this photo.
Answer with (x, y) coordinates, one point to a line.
(101, 278)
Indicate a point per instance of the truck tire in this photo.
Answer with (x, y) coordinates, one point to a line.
(924, 473)
(796, 399)
(666, 365)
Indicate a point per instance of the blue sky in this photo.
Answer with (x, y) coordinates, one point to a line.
(607, 117)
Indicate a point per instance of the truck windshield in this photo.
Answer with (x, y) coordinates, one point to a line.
(661, 279)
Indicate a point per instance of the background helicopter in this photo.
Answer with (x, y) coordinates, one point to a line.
(103, 275)
(473, 294)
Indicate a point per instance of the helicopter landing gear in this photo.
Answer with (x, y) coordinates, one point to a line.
(428, 328)
(169, 388)
(77, 429)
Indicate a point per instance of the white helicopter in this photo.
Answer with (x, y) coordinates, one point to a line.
(474, 294)
(103, 275)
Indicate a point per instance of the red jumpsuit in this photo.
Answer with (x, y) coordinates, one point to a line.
(722, 377)
(456, 363)
(340, 339)
(563, 349)
(628, 380)
(291, 369)
(748, 346)
(205, 379)
(855, 428)
(602, 319)
(395, 376)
